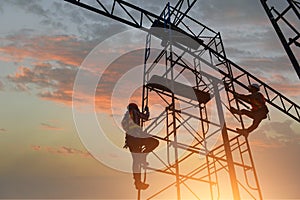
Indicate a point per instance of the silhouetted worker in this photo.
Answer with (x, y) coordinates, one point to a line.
(139, 142)
(259, 109)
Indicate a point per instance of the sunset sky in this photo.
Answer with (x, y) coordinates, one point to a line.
(42, 46)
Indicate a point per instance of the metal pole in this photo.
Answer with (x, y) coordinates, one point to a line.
(139, 195)
(174, 129)
(254, 170)
(228, 153)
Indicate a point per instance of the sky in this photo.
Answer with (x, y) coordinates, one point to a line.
(49, 48)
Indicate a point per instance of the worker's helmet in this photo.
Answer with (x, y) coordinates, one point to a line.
(132, 106)
(253, 86)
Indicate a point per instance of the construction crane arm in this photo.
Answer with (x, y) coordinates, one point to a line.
(121, 11)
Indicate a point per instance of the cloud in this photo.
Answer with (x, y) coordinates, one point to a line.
(41, 10)
(55, 61)
(59, 96)
(1, 86)
(36, 147)
(56, 57)
(63, 150)
(3, 130)
(63, 49)
(267, 64)
(53, 83)
(47, 126)
(275, 135)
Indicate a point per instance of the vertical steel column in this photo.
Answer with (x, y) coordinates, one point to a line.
(173, 110)
(228, 153)
(254, 170)
(146, 74)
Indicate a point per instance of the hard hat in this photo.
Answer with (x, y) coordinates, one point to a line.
(254, 86)
(132, 106)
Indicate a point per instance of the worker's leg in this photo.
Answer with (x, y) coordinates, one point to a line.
(137, 159)
(248, 113)
(149, 144)
(134, 145)
(254, 125)
(136, 162)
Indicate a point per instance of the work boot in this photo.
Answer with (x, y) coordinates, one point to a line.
(140, 185)
(233, 110)
(243, 132)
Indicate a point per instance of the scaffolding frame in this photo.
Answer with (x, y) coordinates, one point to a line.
(216, 159)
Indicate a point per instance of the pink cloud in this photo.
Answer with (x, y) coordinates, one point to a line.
(52, 83)
(60, 48)
(36, 147)
(59, 96)
(56, 83)
(46, 126)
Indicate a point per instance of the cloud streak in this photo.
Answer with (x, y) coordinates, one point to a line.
(63, 150)
(53, 83)
(275, 135)
(1, 86)
(51, 127)
(3, 130)
(63, 49)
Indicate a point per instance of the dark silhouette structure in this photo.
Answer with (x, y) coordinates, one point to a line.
(191, 48)
(285, 18)
(138, 141)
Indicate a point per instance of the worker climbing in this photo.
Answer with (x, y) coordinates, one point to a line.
(259, 109)
(139, 142)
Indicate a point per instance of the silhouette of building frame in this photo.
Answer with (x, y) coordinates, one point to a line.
(234, 150)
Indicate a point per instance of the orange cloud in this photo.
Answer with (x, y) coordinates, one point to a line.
(36, 147)
(3, 130)
(275, 135)
(47, 126)
(64, 49)
(63, 150)
(52, 83)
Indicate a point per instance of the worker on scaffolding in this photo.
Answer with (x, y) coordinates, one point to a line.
(259, 109)
(139, 142)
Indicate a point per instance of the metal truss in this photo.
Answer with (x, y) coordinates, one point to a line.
(208, 40)
(285, 18)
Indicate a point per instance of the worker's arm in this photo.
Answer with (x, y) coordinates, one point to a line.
(146, 115)
(242, 97)
(246, 98)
